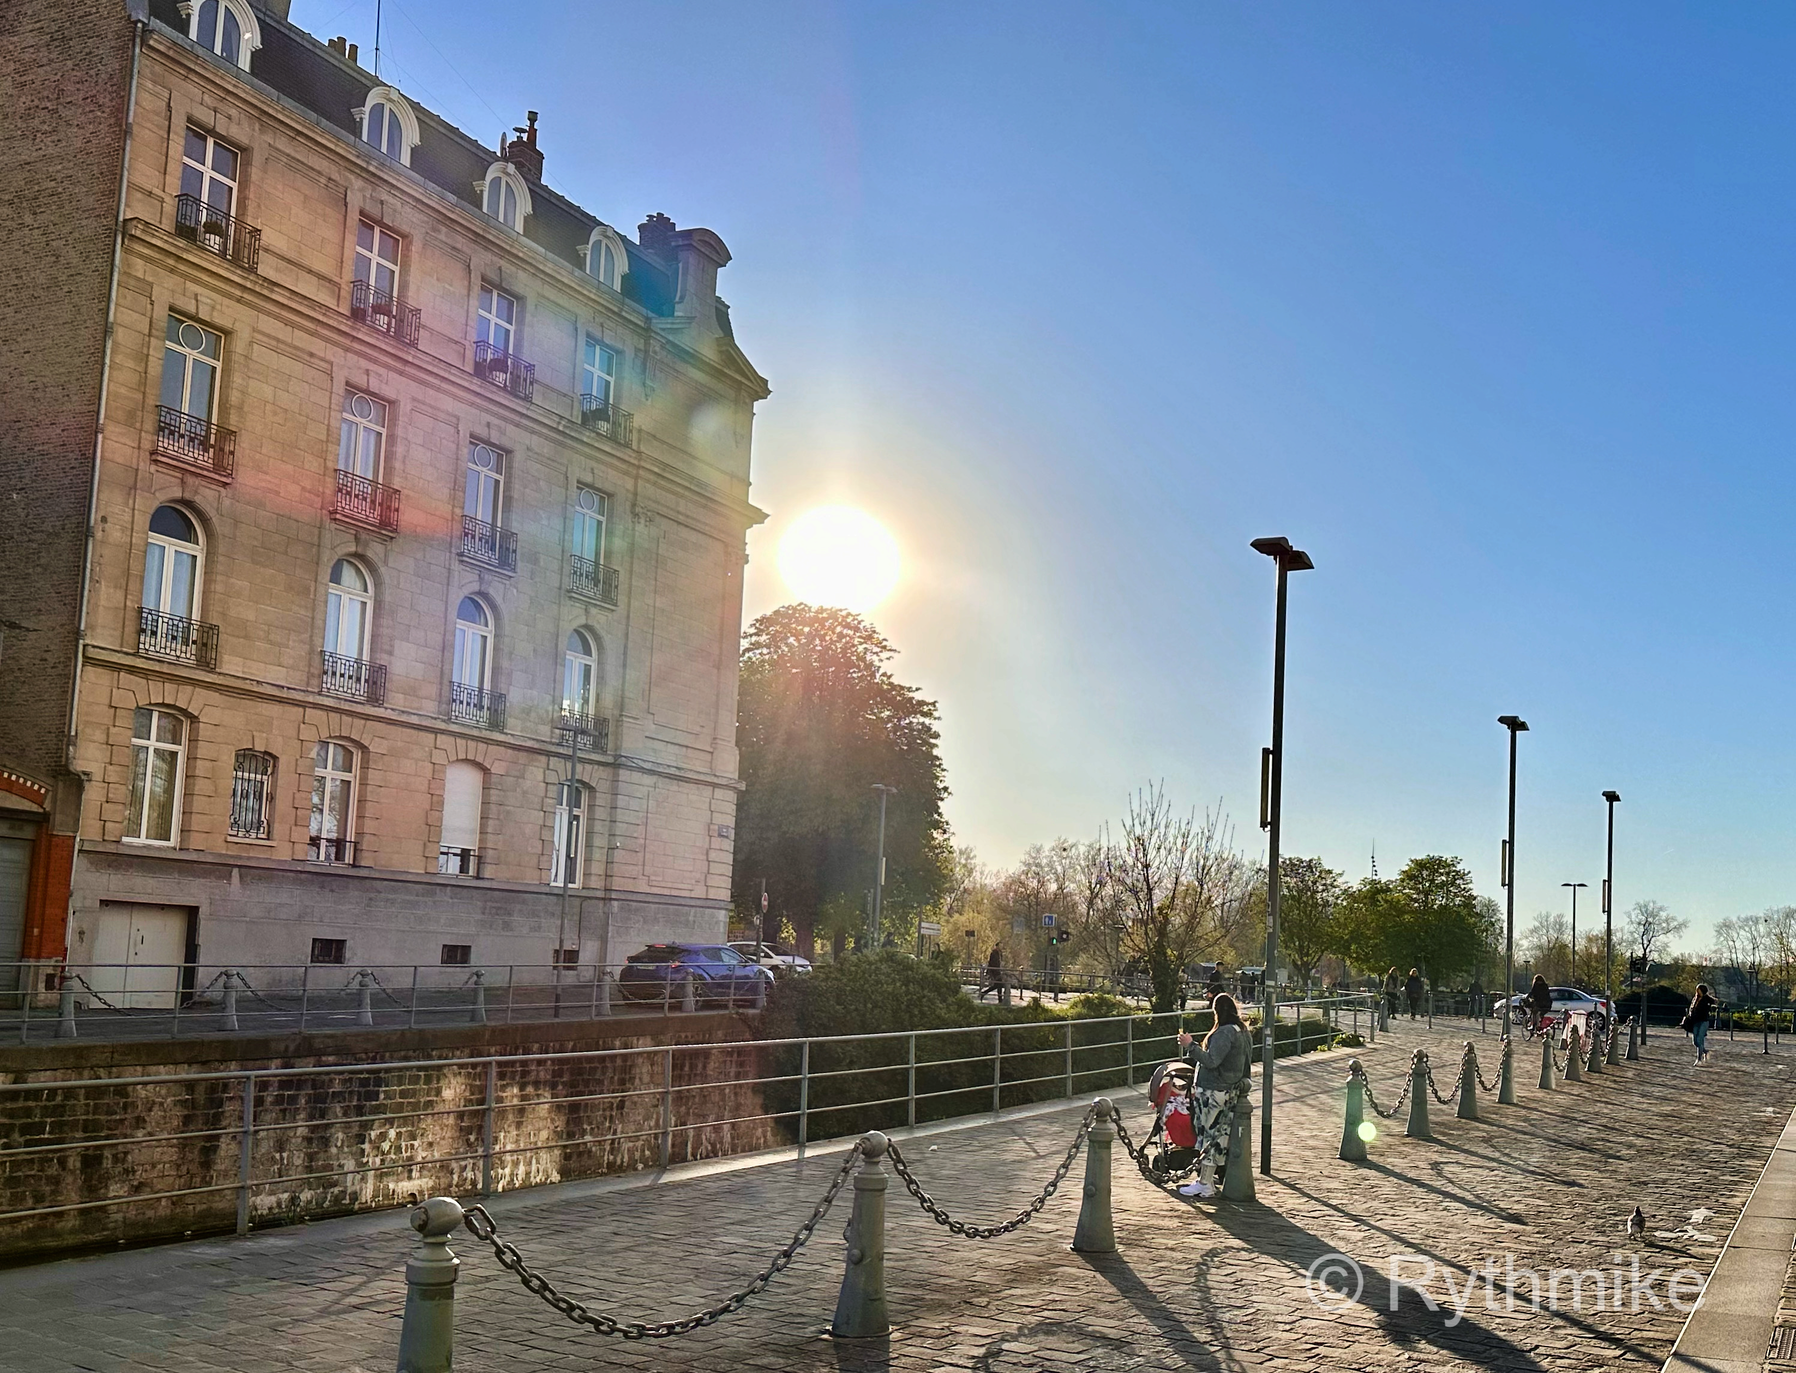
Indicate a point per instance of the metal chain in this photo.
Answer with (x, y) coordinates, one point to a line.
(1372, 1101)
(1166, 1182)
(374, 977)
(105, 1004)
(1479, 1072)
(1434, 1091)
(484, 1227)
(243, 982)
(1016, 1222)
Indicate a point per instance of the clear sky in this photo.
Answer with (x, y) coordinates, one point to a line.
(1490, 308)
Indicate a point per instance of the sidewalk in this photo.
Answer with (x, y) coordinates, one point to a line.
(1547, 1184)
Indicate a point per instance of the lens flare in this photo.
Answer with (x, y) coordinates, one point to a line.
(840, 556)
(1367, 1131)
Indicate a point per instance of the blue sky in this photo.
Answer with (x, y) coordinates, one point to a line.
(1488, 307)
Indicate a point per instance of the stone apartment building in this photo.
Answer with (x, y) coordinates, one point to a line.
(358, 485)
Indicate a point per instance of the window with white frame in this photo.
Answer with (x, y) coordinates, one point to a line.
(158, 742)
(377, 258)
(605, 258)
(389, 124)
(363, 437)
(226, 27)
(578, 674)
(483, 498)
(172, 561)
(590, 508)
(598, 371)
(504, 196)
(191, 357)
(497, 322)
(209, 171)
(348, 610)
(473, 662)
(252, 795)
(458, 850)
(570, 835)
(332, 828)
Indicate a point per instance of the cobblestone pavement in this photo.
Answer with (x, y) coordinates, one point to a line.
(1545, 1184)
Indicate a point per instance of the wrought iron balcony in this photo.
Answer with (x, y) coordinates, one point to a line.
(613, 421)
(489, 545)
(379, 310)
(471, 706)
(504, 369)
(195, 442)
(592, 581)
(218, 232)
(351, 677)
(170, 636)
(321, 849)
(458, 862)
(594, 731)
(366, 502)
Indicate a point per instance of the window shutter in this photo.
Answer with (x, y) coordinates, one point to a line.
(461, 806)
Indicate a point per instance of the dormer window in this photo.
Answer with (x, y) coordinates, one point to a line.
(226, 27)
(504, 196)
(604, 253)
(389, 124)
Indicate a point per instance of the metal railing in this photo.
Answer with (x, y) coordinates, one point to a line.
(366, 502)
(457, 862)
(196, 442)
(505, 370)
(171, 636)
(325, 849)
(604, 417)
(594, 730)
(381, 311)
(593, 581)
(469, 705)
(353, 678)
(488, 544)
(218, 232)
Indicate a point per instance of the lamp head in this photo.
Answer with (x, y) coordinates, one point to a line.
(1574, 884)
(1289, 558)
(1514, 723)
(1612, 797)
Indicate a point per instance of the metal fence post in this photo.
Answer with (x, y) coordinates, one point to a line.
(910, 1090)
(1095, 1233)
(1069, 1058)
(486, 1129)
(411, 1020)
(244, 1152)
(25, 1016)
(1129, 1039)
(997, 1068)
(666, 1106)
(427, 1338)
(804, 1094)
(861, 1304)
(305, 995)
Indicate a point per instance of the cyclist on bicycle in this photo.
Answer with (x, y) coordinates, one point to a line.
(1539, 1005)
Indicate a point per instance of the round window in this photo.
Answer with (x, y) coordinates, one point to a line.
(193, 338)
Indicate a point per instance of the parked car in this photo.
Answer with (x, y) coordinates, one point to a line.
(720, 975)
(1594, 1010)
(771, 956)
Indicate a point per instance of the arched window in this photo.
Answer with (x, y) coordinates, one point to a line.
(389, 124)
(578, 674)
(226, 27)
(332, 829)
(473, 663)
(570, 836)
(459, 850)
(172, 563)
(158, 747)
(604, 253)
(348, 611)
(504, 196)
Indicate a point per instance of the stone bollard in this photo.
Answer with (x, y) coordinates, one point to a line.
(1237, 1177)
(65, 1009)
(477, 1014)
(761, 992)
(427, 1339)
(1384, 1015)
(1613, 1058)
(688, 997)
(1574, 1056)
(1506, 1076)
(602, 993)
(1546, 1063)
(1095, 1233)
(1633, 1039)
(861, 1305)
(1417, 1128)
(364, 1011)
(1595, 1062)
(1353, 1144)
(1468, 1083)
(230, 1001)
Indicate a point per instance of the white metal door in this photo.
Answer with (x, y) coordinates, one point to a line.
(138, 951)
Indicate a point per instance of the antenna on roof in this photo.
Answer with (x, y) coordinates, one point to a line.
(1374, 860)
(377, 40)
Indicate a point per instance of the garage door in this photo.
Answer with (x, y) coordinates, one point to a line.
(15, 864)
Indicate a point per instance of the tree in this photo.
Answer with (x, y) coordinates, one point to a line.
(1149, 866)
(1547, 946)
(1742, 942)
(1309, 891)
(1428, 918)
(820, 719)
(1651, 927)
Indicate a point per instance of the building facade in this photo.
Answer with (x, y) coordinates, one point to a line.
(370, 492)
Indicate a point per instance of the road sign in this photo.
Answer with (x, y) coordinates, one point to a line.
(930, 927)
(1047, 920)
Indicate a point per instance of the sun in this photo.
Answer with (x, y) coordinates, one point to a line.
(837, 555)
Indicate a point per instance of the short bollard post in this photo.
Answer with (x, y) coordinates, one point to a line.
(1353, 1143)
(230, 1001)
(1417, 1128)
(1468, 1083)
(1506, 1076)
(427, 1339)
(1237, 1177)
(603, 999)
(1595, 1062)
(477, 1014)
(1633, 1039)
(1546, 1063)
(861, 1305)
(1095, 1233)
(1574, 1055)
(364, 1011)
(688, 997)
(1384, 1015)
(1613, 1058)
(761, 993)
(65, 1009)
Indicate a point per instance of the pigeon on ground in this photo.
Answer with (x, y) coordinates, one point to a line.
(1636, 1224)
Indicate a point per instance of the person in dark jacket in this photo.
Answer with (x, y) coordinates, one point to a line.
(1697, 1018)
(1539, 1004)
(1393, 988)
(1223, 1062)
(1412, 991)
(994, 972)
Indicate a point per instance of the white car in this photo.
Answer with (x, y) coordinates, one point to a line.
(771, 956)
(1569, 1000)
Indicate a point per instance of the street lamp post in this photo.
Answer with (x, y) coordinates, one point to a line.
(879, 873)
(1609, 906)
(1515, 725)
(1289, 560)
(1574, 939)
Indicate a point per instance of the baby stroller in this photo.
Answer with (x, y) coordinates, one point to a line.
(1171, 1145)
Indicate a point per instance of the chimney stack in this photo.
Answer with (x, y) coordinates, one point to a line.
(336, 45)
(656, 233)
(523, 153)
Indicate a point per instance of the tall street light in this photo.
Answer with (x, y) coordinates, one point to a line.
(1289, 560)
(1609, 907)
(1574, 939)
(879, 873)
(1515, 725)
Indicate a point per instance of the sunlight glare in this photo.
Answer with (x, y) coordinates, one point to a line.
(840, 556)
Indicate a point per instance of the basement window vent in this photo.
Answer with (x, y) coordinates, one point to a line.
(457, 955)
(330, 950)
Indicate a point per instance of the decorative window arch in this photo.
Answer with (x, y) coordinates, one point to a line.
(504, 195)
(579, 678)
(387, 121)
(226, 27)
(603, 255)
(348, 610)
(472, 665)
(173, 563)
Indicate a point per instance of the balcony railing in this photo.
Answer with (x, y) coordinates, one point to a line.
(594, 730)
(170, 636)
(195, 442)
(613, 421)
(321, 849)
(379, 310)
(471, 706)
(218, 232)
(488, 544)
(458, 862)
(351, 677)
(503, 369)
(366, 502)
(594, 581)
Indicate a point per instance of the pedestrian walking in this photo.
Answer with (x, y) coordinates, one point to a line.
(1223, 1063)
(994, 972)
(1696, 1019)
(1393, 988)
(1475, 1001)
(1412, 990)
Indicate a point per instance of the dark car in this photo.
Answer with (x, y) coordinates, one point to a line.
(720, 975)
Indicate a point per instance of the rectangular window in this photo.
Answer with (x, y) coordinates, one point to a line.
(457, 955)
(157, 742)
(252, 791)
(332, 829)
(569, 836)
(483, 497)
(590, 509)
(567, 958)
(498, 320)
(191, 357)
(598, 371)
(330, 950)
(209, 171)
(364, 435)
(377, 259)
